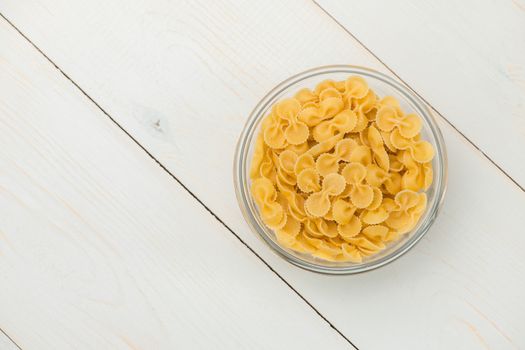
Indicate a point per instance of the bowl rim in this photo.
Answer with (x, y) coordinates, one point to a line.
(239, 174)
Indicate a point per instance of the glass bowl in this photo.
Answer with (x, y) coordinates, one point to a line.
(383, 86)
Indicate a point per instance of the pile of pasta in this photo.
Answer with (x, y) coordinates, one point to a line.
(339, 173)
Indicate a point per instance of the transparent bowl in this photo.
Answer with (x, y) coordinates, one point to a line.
(383, 86)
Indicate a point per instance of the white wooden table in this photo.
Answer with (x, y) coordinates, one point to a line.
(119, 227)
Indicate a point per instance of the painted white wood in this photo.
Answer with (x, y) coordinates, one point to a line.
(101, 249)
(461, 287)
(467, 58)
(182, 77)
(6, 343)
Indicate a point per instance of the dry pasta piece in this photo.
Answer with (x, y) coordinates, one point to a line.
(356, 87)
(366, 245)
(327, 251)
(393, 183)
(337, 172)
(349, 224)
(308, 180)
(267, 167)
(322, 86)
(392, 236)
(273, 130)
(327, 228)
(351, 253)
(350, 229)
(287, 160)
(391, 101)
(330, 215)
(386, 140)
(361, 154)
(361, 194)
(336, 240)
(340, 124)
(428, 175)
(376, 232)
(395, 164)
(313, 114)
(286, 177)
(287, 234)
(387, 118)
(315, 241)
(305, 95)
(299, 149)
(296, 132)
(422, 151)
(274, 135)
(318, 203)
(363, 137)
(330, 100)
(257, 157)
(379, 214)
(378, 199)
(304, 161)
(330, 107)
(301, 245)
(329, 162)
(362, 121)
(375, 141)
(417, 175)
(330, 92)
(376, 177)
(292, 227)
(411, 179)
(342, 211)
(296, 207)
(311, 228)
(325, 146)
(367, 102)
(408, 206)
(371, 114)
(265, 195)
(410, 126)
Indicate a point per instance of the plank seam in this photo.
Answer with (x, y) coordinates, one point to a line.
(418, 95)
(11, 339)
(181, 184)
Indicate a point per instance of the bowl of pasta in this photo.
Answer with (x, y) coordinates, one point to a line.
(340, 169)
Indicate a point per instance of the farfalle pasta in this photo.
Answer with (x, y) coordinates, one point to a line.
(338, 172)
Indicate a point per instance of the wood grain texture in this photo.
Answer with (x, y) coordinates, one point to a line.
(182, 77)
(466, 58)
(101, 249)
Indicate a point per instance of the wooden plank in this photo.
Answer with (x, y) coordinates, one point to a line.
(467, 59)
(101, 249)
(6, 343)
(174, 75)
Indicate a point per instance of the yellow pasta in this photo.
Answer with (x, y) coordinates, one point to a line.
(318, 203)
(361, 194)
(387, 118)
(305, 96)
(296, 132)
(342, 123)
(375, 141)
(265, 195)
(308, 180)
(329, 162)
(339, 173)
(421, 151)
(273, 132)
(356, 87)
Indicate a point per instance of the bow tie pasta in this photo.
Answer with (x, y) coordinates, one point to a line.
(339, 173)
